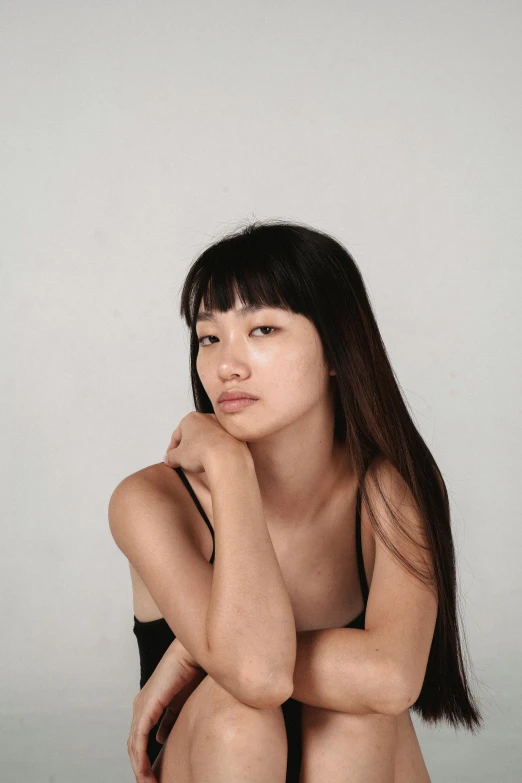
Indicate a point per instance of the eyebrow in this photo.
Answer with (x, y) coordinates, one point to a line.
(248, 309)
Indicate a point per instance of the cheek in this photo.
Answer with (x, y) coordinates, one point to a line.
(284, 371)
(303, 367)
(296, 380)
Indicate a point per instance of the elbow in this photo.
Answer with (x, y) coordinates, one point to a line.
(267, 693)
(263, 691)
(397, 692)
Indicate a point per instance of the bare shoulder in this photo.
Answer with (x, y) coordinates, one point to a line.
(158, 476)
(154, 487)
(398, 514)
(165, 479)
(156, 480)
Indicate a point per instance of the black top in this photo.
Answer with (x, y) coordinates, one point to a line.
(155, 636)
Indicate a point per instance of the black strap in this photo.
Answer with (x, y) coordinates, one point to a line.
(360, 561)
(194, 497)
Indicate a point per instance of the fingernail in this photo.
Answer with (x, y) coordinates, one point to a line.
(165, 459)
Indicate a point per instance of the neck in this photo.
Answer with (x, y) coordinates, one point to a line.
(300, 476)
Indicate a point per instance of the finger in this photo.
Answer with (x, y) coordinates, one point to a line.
(166, 725)
(137, 743)
(170, 460)
(141, 740)
(137, 747)
(141, 765)
(175, 439)
(147, 776)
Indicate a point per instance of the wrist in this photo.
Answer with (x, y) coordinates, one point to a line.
(232, 455)
(178, 656)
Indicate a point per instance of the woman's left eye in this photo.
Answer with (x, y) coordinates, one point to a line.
(274, 328)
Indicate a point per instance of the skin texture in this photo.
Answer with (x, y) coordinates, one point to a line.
(299, 469)
(217, 738)
(289, 430)
(214, 738)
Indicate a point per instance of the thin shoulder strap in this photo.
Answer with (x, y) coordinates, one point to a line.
(360, 561)
(194, 497)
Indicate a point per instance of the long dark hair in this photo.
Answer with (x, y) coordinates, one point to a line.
(292, 266)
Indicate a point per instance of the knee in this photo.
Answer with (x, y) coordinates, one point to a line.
(225, 719)
(229, 724)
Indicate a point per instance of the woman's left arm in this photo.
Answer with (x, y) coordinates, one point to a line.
(379, 669)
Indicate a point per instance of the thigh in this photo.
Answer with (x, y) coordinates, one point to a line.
(338, 746)
(173, 761)
(409, 762)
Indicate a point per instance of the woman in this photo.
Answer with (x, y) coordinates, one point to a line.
(331, 609)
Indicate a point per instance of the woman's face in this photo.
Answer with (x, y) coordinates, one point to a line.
(282, 365)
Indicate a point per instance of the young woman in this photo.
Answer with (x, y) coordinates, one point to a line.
(331, 608)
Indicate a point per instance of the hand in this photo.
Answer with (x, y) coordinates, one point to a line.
(195, 438)
(173, 680)
(184, 658)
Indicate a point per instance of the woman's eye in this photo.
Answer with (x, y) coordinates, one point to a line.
(200, 339)
(274, 329)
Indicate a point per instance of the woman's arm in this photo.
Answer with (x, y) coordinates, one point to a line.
(150, 525)
(346, 670)
(250, 621)
(381, 668)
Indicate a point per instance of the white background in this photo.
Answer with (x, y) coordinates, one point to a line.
(132, 135)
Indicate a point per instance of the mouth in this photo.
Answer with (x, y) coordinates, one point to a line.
(236, 404)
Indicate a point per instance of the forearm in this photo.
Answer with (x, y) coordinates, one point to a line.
(250, 622)
(345, 669)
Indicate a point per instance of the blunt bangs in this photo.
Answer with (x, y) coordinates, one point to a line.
(267, 265)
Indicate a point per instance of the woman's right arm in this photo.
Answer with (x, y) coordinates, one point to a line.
(250, 621)
(149, 526)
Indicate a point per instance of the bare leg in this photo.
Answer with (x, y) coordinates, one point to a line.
(409, 762)
(172, 765)
(219, 739)
(341, 747)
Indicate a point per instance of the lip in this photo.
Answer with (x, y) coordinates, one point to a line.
(235, 395)
(236, 404)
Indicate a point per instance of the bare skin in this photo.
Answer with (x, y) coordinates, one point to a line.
(308, 490)
(341, 744)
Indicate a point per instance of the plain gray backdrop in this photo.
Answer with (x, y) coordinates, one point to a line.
(133, 134)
